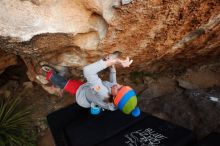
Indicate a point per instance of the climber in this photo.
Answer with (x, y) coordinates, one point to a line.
(95, 93)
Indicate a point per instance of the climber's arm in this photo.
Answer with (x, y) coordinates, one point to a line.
(112, 75)
(91, 74)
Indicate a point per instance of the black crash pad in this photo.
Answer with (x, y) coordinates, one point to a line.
(213, 139)
(74, 126)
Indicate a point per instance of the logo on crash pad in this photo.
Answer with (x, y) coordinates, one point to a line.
(144, 137)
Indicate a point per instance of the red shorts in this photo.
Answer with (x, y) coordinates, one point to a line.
(72, 86)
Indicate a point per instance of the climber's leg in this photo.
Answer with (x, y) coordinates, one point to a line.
(56, 79)
(70, 86)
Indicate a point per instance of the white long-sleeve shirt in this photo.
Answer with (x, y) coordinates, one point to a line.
(95, 90)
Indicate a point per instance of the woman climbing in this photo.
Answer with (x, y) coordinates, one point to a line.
(95, 93)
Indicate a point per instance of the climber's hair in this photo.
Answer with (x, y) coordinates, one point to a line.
(109, 99)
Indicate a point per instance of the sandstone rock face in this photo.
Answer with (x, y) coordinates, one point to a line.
(7, 60)
(25, 19)
(199, 80)
(158, 35)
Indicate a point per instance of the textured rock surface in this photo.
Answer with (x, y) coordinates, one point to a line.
(161, 35)
(6, 60)
(192, 109)
(158, 35)
(24, 19)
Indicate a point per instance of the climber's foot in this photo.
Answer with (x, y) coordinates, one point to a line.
(42, 79)
(46, 68)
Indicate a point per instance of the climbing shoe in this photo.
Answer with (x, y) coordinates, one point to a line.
(42, 79)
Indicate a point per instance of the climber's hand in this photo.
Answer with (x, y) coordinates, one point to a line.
(126, 63)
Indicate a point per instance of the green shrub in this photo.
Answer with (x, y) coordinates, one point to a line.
(15, 124)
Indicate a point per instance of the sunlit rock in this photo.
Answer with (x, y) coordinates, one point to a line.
(158, 35)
